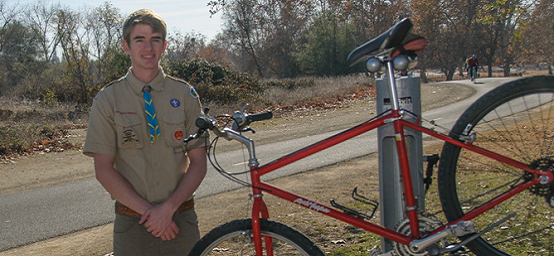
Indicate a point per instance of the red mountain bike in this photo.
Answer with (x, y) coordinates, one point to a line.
(495, 177)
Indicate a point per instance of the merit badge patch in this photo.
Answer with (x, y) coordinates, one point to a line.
(175, 102)
(130, 137)
(178, 135)
(193, 92)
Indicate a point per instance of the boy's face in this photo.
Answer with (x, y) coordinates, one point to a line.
(145, 48)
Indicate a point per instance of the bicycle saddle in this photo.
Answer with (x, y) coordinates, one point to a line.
(398, 37)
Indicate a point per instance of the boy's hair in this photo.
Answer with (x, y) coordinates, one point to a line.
(146, 17)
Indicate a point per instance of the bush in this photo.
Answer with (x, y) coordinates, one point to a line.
(215, 83)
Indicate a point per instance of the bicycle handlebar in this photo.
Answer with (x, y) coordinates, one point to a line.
(241, 122)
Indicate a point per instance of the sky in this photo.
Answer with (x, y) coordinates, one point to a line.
(179, 15)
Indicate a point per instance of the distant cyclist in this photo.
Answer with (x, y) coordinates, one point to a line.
(472, 64)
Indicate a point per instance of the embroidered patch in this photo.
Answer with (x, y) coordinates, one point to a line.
(193, 92)
(175, 102)
(129, 135)
(178, 135)
(178, 150)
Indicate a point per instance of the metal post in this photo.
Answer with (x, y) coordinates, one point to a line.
(391, 198)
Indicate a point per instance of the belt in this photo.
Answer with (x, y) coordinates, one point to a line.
(126, 211)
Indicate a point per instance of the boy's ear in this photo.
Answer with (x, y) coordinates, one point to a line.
(127, 47)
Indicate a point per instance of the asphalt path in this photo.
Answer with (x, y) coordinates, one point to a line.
(48, 212)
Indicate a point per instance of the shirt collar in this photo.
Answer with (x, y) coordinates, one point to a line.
(136, 85)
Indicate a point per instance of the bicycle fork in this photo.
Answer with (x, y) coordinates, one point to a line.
(259, 209)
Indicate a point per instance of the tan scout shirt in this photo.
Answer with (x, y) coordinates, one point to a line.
(118, 128)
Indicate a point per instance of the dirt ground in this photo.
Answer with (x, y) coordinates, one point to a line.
(322, 184)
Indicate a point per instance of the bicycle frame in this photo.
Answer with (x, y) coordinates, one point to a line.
(396, 118)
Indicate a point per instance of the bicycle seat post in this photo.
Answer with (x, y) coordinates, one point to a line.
(391, 84)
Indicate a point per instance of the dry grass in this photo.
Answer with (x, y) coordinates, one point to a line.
(25, 123)
(290, 94)
(311, 89)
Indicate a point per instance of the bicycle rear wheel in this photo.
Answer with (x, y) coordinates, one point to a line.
(517, 121)
(235, 238)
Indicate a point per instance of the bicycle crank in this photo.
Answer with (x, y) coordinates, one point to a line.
(427, 223)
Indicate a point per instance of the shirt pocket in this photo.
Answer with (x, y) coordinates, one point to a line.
(174, 129)
(128, 128)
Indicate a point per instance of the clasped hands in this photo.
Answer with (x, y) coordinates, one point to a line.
(158, 221)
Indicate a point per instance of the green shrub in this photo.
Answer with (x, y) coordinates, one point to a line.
(10, 140)
(215, 83)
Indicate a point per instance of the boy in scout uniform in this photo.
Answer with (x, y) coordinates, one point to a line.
(136, 129)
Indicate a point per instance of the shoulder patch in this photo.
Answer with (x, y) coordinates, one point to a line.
(193, 92)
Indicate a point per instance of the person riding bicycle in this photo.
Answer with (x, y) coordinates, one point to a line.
(472, 62)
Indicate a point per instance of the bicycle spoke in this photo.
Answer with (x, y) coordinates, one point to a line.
(514, 120)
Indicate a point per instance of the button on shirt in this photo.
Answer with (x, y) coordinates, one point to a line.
(118, 128)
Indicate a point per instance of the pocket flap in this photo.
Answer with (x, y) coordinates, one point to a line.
(175, 118)
(127, 120)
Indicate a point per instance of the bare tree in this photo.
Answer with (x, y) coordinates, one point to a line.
(41, 17)
(103, 25)
(243, 28)
(8, 15)
(184, 46)
(75, 50)
(539, 38)
(508, 18)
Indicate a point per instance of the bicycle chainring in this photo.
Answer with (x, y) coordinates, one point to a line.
(427, 223)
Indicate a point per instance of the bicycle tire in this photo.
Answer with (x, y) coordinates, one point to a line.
(516, 120)
(235, 238)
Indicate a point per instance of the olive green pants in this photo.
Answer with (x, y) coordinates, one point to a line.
(130, 238)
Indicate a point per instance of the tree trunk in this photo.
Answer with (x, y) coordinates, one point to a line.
(423, 76)
(506, 69)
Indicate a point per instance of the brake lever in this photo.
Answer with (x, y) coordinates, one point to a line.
(194, 136)
(248, 129)
(240, 119)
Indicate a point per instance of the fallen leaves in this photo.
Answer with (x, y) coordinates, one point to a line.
(54, 141)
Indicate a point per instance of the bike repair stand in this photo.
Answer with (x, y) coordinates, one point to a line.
(390, 182)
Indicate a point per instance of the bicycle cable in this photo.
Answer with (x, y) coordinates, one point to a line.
(218, 167)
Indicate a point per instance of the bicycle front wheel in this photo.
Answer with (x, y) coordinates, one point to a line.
(235, 238)
(515, 120)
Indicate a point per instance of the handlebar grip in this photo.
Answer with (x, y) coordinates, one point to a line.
(261, 116)
(204, 123)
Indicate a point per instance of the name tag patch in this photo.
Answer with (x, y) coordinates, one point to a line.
(178, 150)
